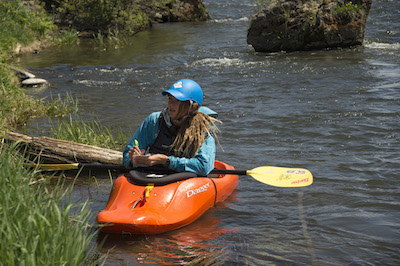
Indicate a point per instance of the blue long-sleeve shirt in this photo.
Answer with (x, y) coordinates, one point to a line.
(201, 164)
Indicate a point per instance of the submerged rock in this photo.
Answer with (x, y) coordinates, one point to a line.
(296, 25)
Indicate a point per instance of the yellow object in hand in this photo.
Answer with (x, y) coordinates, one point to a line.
(136, 142)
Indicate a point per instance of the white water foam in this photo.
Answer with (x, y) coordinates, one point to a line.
(223, 20)
(221, 62)
(97, 83)
(385, 46)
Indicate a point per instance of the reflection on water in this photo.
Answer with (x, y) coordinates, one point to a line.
(193, 243)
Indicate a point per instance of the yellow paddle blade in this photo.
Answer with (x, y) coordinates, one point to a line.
(281, 176)
(58, 166)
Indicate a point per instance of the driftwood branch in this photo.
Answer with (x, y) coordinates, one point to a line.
(61, 151)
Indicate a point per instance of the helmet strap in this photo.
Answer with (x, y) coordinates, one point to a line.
(190, 106)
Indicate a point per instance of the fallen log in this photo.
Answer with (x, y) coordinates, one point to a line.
(45, 149)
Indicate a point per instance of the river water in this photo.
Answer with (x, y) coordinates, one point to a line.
(333, 112)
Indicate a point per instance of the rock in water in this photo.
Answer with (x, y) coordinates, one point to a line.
(298, 25)
(183, 10)
(22, 74)
(34, 82)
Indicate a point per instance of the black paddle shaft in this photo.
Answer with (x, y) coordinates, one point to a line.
(155, 169)
(230, 172)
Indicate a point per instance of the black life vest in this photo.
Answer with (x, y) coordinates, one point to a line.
(165, 138)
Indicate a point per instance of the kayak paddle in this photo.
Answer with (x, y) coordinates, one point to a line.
(74, 166)
(270, 175)
(275, 176)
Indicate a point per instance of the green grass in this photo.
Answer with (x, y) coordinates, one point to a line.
(61, 106)
(20, 25)
(66, 37)
(16, 107)
(39, 225)
(91, 133)
(348, 8)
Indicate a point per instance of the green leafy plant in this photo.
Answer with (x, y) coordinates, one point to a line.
(104, 16)
(21, 25)
(348, 8)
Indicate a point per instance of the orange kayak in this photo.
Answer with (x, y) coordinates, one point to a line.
(139, 207)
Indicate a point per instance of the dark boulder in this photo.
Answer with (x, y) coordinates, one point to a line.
(295, 25)
(183, 10)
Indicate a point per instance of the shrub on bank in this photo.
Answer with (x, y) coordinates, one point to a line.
(21, 26)
(101, 16)
(121, 17)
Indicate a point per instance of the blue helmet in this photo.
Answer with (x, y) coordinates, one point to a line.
(185, 90)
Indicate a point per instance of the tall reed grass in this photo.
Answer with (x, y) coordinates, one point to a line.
(61, 106)
(91, 133)
(39, 225)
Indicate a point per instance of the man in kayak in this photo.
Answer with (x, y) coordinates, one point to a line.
(181, 137)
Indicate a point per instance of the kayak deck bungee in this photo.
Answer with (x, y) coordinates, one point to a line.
(141, 205)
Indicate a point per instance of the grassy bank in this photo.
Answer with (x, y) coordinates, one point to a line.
(23, 29)
(16, 108)
(37, 226)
